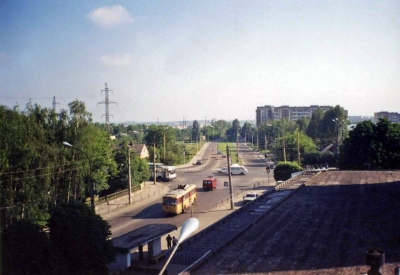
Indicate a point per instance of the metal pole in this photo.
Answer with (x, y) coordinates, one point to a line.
(164, 147)
(229, 177)
(154, 162)
(298, 146)
(284, 149)
(129, 177)
(237, 145)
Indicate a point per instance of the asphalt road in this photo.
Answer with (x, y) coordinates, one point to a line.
(135, 216)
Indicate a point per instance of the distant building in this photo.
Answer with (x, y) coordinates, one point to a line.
(393, 117)
(268, 112)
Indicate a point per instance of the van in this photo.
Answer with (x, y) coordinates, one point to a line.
(237, 169)
(209, 183)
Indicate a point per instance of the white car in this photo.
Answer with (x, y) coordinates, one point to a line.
(223, 170)
(249, 197)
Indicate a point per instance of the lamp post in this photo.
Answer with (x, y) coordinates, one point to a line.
(91, 191)
(188, 227)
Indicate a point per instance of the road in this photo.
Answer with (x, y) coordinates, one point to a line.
(135, 216)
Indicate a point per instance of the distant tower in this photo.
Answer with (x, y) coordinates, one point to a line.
(107, 102)
(54, 103)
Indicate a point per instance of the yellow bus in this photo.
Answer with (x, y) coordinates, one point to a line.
(178, 200)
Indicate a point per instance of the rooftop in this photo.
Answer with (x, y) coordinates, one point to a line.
(325, 228)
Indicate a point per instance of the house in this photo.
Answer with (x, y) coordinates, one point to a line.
(139, 149)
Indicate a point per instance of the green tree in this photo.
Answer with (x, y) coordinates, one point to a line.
(81, 238)
(371, 146)
(26, 249)
(246, 131)
(327, 127)
(196, 131)
(220, 127)
(302, 123)
(313, 127)
(292, 142)
(36, 171)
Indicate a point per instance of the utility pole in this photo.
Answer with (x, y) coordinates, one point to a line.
(129, 176)
(237, 145)
(298, 147)
(154, 161)
(164, 145)
(284, 149)
(265, 141)
(107, 102)
(229, 177)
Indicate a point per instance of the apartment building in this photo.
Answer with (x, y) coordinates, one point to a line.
(268, 112)
(393, 117)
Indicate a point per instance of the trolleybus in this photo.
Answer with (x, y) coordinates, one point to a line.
(178, 200)
(163, 172)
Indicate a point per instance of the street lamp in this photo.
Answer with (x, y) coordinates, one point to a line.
(188, 227)
(90, 174)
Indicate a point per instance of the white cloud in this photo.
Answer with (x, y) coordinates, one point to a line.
(108, 17)
(116, 60)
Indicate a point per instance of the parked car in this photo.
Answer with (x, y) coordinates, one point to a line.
(249, 197)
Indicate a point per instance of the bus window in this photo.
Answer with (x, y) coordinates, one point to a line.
(170, 201)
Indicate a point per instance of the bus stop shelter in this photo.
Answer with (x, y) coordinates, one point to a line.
(149, 235)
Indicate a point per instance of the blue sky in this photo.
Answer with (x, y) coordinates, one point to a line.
(169, 60)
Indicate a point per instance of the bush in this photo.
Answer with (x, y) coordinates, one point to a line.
(311, 158)
(282, 171)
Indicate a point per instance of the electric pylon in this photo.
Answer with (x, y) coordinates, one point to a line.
(107, 102)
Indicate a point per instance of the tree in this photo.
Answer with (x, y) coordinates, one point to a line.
(326, 127)
(196, 131)
(26, 249)
(371, 146)
(220, 127)
(81, 238)
(303, 123)
(313, 127)
(306, 145)
(246, 131)
(36, 171)
(156, 134)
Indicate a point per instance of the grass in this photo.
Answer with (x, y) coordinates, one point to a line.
(191, 149)
(232, 151)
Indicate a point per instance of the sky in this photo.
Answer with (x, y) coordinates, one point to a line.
(210, 59)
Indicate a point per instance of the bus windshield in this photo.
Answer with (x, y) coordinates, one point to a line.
(170, 201)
